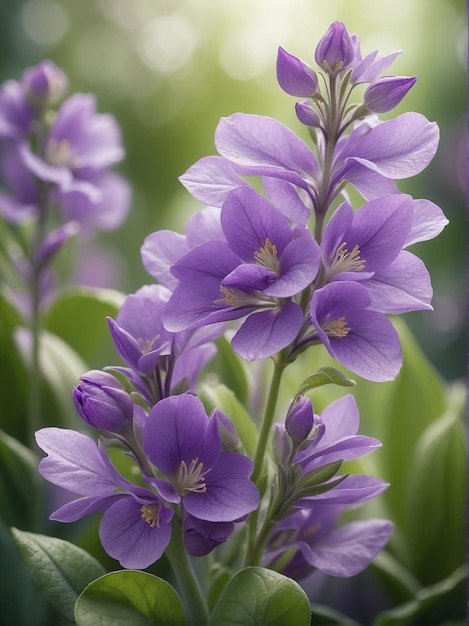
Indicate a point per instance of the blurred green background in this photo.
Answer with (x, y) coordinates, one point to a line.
(169, 69)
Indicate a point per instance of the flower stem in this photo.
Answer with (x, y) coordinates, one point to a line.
(259, 456)
(196, 608)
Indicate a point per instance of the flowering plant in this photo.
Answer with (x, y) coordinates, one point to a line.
(233, 492)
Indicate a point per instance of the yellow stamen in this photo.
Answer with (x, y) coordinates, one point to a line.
(267, 256)
(150, 514)
(336, 328)
(345, 261)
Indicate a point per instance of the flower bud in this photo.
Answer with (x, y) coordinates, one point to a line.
(44, 84)
(295, 76)
(300, 419)
(281, 445)
(307, 115)
(229, 436)
(335, 50)
(102, 402)
(386, 93)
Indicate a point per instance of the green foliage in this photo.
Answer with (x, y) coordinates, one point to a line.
(78, 317)
(60, 569)
(256, 595)
(129, 597)
(325, 376)
(225, 399)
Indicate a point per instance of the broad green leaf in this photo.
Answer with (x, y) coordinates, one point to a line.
(225, 399)
(230, 369)
(18, 480)
(129, 597)
(322, 615)
(14, 380)
(435, 503)
(426, 600)
(61, 367)
(259, 596)
(60, 569)
(78, 317)
(325, 376)
(20, 601)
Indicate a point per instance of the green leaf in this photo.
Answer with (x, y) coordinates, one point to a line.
(129, 597)
(256, 595)
(61, 367)
(425, 599)
(59, 569)
(13, 381)
(230, 370)
(78, 317)
(435, 503)
(223, 398)
(322, 615)
(325, 376)
(18, 480)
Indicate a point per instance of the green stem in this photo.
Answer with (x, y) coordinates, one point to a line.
(259, 456)
(266, 425)
(197, 612)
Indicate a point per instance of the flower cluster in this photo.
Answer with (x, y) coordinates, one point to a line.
(293, 267)
(64, 154)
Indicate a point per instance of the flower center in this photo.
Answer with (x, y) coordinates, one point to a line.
(267, 256)
(345, 261)
(336, 328)
(59, 152)
(147, 345)
(150, 514)
(236, 298)
(191, 478)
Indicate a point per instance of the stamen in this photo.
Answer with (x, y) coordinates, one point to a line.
(58, 152)
(237, 298)
(146, 345)
(150, 514)
(191, 478)
(336, 328)
(267, 256)
(345, 261)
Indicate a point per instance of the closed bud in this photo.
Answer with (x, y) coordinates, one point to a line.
(295, 76)
(281, 445)
(44, 84)
(300, 419)
(335, 50)
(386, 93)
(102, 402)
(307, 115)
(229, 436)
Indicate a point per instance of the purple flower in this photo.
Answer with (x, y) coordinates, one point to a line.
(162, 249)
(334, 51)
(44, 84)
(102, 402)
(386, 93)
(366, 245)
(363, 340)
(295, 76)
(18, 199)
(371, 157)
(300, 420)
(136, 526)
(201, 537)
(185, 446)
(16, 114)
(258, 269)
(335, 550)
(159, 360)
